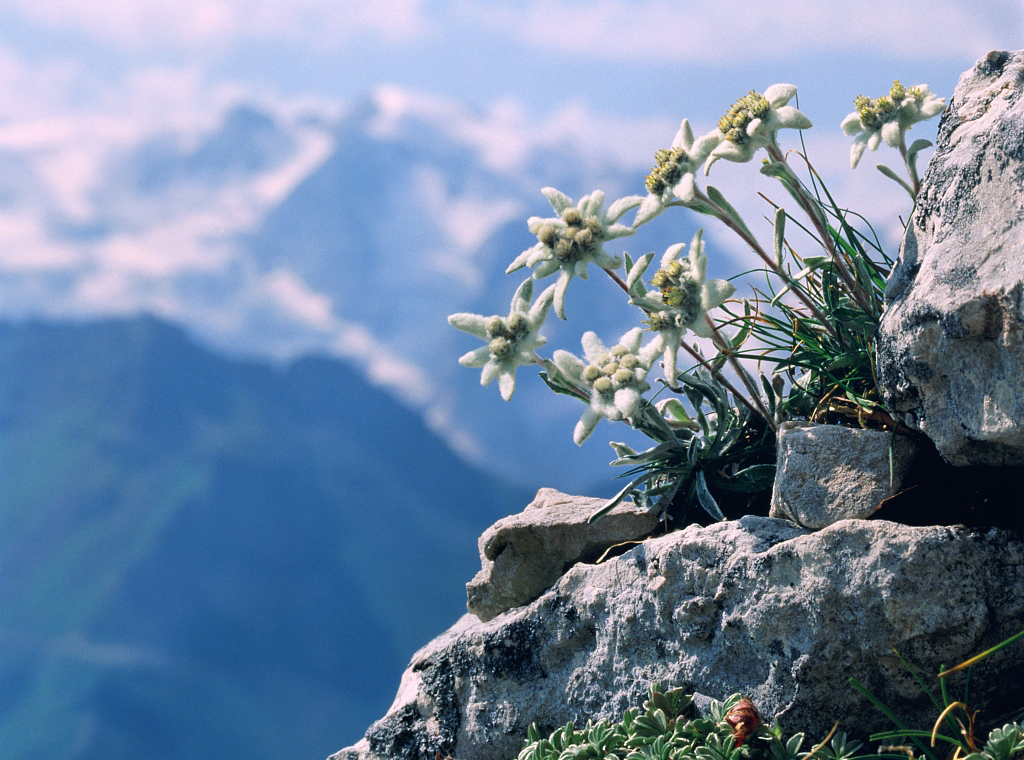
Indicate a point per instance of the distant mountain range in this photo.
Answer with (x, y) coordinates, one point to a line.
(206, 557)
(355, 236)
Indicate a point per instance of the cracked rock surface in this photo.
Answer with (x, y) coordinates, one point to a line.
(951, 341)
(522, 555)
(756, 605)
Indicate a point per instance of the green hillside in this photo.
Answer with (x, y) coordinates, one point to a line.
(203, 557)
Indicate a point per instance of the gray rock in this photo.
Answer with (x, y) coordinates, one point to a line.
(757, 605)
(950, 348)
(828, 473)
(522, 555)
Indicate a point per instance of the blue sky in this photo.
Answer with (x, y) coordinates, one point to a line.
(632, 59)
(83, 82)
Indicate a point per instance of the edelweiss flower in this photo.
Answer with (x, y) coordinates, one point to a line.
(511, 340)
(615, 377)
(683, 297)
(672, 175)
(889, 117)
(752, 122)
(574, 239)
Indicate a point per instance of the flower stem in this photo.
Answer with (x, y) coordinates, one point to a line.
(740, 370)
(809, 205)
(756, 247)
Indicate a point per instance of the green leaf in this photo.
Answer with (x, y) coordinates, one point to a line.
(780, 236)
(916, 147)
(756, 477)
(896, 178)
(558, 386)
(719, 200)
(706, 499)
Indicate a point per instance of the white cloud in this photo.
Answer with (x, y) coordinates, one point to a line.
(211, 24)
(506, 135)
(752, 30)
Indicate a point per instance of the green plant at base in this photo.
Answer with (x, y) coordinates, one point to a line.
(1004, 742)
(814, 321)
(667, 729)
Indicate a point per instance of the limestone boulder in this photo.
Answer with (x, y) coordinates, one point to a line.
(758, 605)
(828, 473)
(951, 341)
(522, 555)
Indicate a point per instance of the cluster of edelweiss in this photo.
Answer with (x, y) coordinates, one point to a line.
(612, 380)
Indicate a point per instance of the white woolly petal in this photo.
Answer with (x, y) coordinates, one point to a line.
(560, 285)
(585, 426)
(507, 383)
(730, 151)
(790, 118)
(851, 125)
(522, 296)
(571, 366)
(685, 189)
(672, 340)
(474, 324)
(491, 370)
(892, 134)
(932, 106)
(593, 346)
(857, 150)
(605, 261)
(559, 201)
(591, 204)
(622, 205)
(779, 94)
(649, 208)
(631, 340)
(521, 260)
(627, 401)
(684, 137)
(639, 267)
(651, 351)
(671, 253)
(539, 311)
(478, 357)
(714, 293)
(874, 139)
(704, 145)
(546, 267)
(698, 260)
(617, 231)
(700, 327)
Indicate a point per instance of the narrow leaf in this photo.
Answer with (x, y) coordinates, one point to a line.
(706, 499)
(895, 178)
(780, 236)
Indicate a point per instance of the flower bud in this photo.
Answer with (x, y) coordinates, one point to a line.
(629, 361)
(584, 237)
(602, 385)
(500, 347)
(623, 376)
(495, 327)
(610, 368)
(572, 216)
(516, 323)
(591, 373)
(546, 234)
